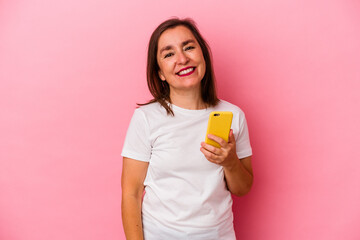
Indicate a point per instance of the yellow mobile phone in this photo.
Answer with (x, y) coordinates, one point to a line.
(219, 124)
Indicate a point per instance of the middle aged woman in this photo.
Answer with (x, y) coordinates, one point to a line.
(187, 183)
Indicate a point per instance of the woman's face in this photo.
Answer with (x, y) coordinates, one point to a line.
(180, 59)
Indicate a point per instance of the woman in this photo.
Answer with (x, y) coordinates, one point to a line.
(187, 183)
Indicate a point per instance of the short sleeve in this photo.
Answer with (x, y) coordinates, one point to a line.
(137, 141)
(243, 147)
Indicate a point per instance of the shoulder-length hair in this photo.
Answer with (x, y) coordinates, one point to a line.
(159, 89)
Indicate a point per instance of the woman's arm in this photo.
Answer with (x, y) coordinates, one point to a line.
(239, 177)
(238, 173)
(132, 185)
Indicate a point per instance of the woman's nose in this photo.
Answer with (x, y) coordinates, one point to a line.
(182, 58)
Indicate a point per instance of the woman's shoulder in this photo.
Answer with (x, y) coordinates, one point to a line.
(151, 109)
(150, 106)
(227, 106)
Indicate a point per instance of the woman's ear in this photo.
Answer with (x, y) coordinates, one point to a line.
(161, 75)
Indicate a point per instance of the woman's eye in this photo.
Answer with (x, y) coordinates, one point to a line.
(189, 48)
(168, 55)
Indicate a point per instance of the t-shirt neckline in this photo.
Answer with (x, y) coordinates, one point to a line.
(189, 111)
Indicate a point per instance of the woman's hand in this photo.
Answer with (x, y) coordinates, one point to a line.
(238, 172)
(224, 156)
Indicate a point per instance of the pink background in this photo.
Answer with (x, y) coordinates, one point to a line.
(72, 71)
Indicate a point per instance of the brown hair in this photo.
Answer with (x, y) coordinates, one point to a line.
(160, 89)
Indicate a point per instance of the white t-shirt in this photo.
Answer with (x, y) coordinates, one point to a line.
(185, 194)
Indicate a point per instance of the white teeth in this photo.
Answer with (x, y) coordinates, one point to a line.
(186, 71)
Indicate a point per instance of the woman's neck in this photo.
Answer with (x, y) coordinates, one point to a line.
(187, 99)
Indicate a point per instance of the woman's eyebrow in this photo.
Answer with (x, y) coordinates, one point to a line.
(187, 42)
(169, 47)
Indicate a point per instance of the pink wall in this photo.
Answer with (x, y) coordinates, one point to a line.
(72, 71)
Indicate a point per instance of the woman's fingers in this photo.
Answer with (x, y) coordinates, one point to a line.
(217, 139)
(211, 148)
(219, 155)
(210, 156)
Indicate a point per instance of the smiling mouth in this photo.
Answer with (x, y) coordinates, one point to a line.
(186, 72)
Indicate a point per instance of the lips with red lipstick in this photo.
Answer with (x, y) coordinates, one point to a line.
(185, 71)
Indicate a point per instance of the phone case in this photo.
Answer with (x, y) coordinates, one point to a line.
(219, 124)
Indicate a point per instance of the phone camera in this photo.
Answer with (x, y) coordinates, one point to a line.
(216, 114)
